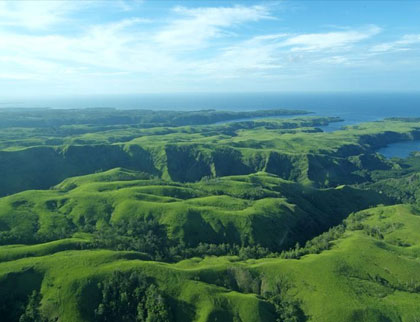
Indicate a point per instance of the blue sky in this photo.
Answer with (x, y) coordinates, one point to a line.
(53, 48)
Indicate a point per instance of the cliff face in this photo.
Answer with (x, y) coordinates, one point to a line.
(42, 167)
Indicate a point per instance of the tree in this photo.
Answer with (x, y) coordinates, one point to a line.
(155, 305)
(32, 312)
(288, 308)
(131, 297)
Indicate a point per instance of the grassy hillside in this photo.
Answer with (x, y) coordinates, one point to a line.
(144, 216)
(370, 274)
(259, 209)
(158, 151)
(292, 149)
(365, 276)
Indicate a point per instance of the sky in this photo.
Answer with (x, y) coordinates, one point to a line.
(53, 48)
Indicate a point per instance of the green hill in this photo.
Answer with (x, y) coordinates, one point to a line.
(371, 273)
(293, 149)
(259, 209)
(110, 215)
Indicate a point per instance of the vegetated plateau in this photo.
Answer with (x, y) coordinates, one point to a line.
(109, 215)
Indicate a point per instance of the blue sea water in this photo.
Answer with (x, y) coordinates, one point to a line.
(357, 106)
(353, 108)
(400, 149)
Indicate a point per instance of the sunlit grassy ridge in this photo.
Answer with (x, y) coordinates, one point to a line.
(259, 209)
(365, 277)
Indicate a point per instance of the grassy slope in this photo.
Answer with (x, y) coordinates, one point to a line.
(361, 278)
(246, 210)
(69, 286)
(371, 274)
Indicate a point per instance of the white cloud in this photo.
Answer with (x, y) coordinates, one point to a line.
(329, 40)
(107, 46)
(337, 60)
(276, 53)
(201, 24)
(398, 45)
(18, 76)
(130, 5)
(254, 56)
(36, 14)
(124, 47)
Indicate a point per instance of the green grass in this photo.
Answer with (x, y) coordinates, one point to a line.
(361, 278)
(13, 252)
(69, 280)
(292, 149)
(258, 209)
